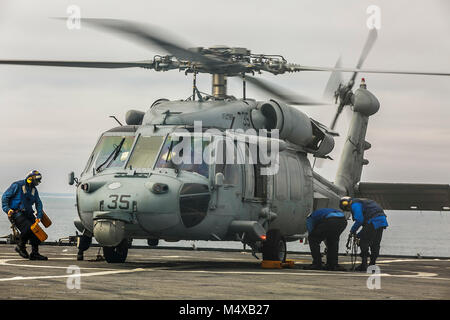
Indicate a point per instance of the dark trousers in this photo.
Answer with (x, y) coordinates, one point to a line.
(328, 230)
(84, 243)
(370, 238)
(23, 222)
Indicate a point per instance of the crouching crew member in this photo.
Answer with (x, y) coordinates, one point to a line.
(368, 214)
(325, 225)
(17, 202)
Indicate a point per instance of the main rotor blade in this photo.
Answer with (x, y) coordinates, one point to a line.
(81, 64)
(372, 37)
(333, 82)
(147, 35)
(311, 68)
(283, 94)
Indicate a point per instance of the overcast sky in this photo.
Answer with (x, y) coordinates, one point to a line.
(51, 118)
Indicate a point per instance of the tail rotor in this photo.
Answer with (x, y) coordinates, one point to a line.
(337, 89)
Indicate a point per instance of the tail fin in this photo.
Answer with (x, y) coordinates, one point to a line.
(352, 159)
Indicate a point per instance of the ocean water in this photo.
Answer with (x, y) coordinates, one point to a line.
(409, 232)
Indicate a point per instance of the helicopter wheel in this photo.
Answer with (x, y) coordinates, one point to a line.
(117, 254)
(274, 248)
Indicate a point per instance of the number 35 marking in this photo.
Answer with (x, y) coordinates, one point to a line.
(124, 203)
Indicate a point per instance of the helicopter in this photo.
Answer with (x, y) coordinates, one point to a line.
(215, 167)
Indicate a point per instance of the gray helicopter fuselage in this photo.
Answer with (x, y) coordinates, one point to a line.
(138, 195)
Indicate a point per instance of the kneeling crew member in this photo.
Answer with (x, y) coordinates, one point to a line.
(368, 214)
(325, 225)
(17, 202)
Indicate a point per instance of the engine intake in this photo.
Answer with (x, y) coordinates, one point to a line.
(294, 126)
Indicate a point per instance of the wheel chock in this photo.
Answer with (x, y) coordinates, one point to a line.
(270, 264)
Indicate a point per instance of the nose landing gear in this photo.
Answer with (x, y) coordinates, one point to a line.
(117, 254)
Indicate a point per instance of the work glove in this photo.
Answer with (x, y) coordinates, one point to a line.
(11, 212)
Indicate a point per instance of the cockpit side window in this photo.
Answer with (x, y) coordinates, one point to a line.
(185, 153)
(122, 152)
(110, 151)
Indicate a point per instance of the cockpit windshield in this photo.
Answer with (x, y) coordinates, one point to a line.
(145, 152)
(185, 153)
(110, 152)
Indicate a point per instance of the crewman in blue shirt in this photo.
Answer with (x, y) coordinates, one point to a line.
(17, 202)
(368, 214)
(325, 225)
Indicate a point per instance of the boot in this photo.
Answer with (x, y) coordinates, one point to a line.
(80, 256)
(363, 265)
(314, 266)
(372, 261)
(35, 254)
(22, 251)
(335, 268)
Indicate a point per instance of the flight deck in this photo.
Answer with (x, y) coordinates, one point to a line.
(188, 274)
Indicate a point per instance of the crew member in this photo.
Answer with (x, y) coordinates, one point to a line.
(17, 202)
(368, 214)
(325, 225)
(83, 244)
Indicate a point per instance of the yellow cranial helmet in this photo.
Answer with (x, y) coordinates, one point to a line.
(34, 177)
(345, 203)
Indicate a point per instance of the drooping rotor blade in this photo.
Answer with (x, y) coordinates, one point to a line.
(81, 64)
(333, 82)
(147, 35)
(283, 94)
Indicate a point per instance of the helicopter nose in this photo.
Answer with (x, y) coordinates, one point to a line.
(158, 209)
(125, 207)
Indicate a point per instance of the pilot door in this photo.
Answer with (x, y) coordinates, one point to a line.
(227, 178)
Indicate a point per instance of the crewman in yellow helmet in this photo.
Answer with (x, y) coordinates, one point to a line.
(371, 217)
(17, 202)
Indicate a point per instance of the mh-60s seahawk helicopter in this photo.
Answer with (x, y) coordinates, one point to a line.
(132, 187)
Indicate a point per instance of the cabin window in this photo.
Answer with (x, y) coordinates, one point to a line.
(281, 180)
(244, 156)
(145, 152)
(295, 178)
(260, 182)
